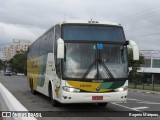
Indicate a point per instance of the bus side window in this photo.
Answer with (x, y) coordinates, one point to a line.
(57, 61)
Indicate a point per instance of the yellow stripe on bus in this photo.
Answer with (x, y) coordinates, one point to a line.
(87, 86)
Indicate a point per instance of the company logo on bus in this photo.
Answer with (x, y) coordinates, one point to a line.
(97, 89)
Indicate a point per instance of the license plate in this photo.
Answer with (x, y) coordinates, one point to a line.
(97, 97)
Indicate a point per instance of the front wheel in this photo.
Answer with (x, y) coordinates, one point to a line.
(54, 102)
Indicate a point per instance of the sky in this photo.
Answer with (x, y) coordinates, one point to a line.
(28, 19)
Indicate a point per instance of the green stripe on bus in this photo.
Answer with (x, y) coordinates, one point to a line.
(117, 84)
(105, 85)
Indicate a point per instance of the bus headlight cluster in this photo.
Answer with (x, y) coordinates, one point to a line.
(121, 89)
(70, 89)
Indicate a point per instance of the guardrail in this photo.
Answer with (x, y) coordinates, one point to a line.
(10, 103)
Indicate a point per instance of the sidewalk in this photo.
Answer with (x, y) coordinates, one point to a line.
(144, 91)
(1, 112)
(1, 109)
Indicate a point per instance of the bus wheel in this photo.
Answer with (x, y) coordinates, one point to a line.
(32, 89)
(102, 104)
(53, 101)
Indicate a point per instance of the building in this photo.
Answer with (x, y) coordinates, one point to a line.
(5, 53)
(15, 48)
(151, 66)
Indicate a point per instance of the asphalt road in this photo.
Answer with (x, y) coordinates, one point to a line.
(141, 102)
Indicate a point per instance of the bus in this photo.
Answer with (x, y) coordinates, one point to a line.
(81, 62)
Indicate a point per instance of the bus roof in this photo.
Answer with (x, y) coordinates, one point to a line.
(93, 22)
(89, 22)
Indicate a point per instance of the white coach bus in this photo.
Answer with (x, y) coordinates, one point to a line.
(81, 62)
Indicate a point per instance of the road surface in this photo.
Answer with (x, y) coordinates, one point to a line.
(18, 86)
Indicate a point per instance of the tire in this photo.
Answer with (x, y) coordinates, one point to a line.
(32, 89)
(102, 104)
(54, 103)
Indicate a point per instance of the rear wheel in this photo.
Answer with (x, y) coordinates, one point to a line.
(32, 88)
(102, 104)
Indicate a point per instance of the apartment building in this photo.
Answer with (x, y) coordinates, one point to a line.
(15, 48)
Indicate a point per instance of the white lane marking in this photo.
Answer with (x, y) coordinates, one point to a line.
(145, 102)
(153, 103)
(125, 107)
(139, 108)
(133, 99)
(129, 108)
(132, 108)
(121, 102)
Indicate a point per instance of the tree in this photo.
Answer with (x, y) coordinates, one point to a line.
(1, 64)
(19, 63)
(134, 76)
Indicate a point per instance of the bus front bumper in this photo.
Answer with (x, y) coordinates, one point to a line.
(68, 97)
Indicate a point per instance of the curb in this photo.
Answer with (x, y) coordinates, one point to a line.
(144, 91)
(9, 103)
(1, 112)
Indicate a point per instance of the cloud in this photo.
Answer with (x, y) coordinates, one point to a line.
(28, 19)
(8, 32)
(40, 13)
(3, 37)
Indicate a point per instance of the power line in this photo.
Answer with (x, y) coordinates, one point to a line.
(144, 11)
(141, 27)
(152, 34)
(140, 17)
(131, 18)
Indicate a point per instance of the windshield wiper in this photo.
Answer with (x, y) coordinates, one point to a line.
(89, 69)
(104, 66)
(97, 62)
(108, 72)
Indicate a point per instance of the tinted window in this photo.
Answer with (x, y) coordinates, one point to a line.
(90, 32)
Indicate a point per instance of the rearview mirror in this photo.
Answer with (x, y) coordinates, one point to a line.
(60, 48)
(135, 49)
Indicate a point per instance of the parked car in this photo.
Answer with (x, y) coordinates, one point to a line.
(20, 74)
(7, 73)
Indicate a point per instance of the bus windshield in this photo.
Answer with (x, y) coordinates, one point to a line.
(93, 33)
(86, 59)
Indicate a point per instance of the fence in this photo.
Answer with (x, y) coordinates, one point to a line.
(145, 86)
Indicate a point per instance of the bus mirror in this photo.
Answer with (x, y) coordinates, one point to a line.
(135, 49)
(60, 48)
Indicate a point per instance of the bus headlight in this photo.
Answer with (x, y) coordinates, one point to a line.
(121, 89)
(70, 89)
